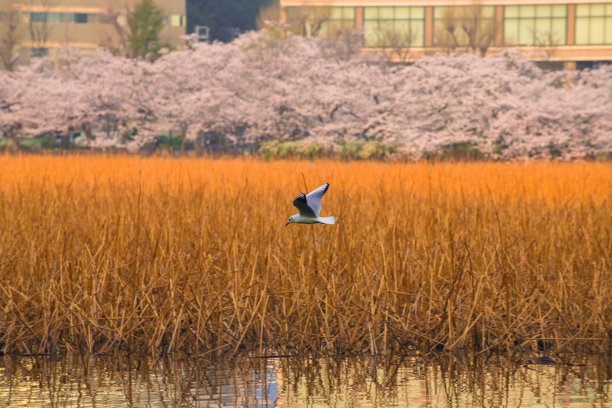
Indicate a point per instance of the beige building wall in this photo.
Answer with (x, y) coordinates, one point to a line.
(46, 24)
(286, 3)
(579, 28)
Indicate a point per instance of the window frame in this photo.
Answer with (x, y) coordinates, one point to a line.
(307, 16)
(484, 20)
(393, 20)
(534, 41)
(606, 17)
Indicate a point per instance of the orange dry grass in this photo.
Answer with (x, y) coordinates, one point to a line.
(155, 255)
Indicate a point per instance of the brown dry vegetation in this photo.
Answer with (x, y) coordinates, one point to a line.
(155, 255)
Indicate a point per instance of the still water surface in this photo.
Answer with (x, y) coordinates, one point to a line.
(413, 381)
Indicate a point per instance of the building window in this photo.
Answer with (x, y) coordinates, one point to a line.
(594, 24)
(45, 17)
(38, 17)
(394, 26)
(9, 15)
(56, 17)
(80, 18)
(320, 21)
(464, 26)
(122, 20)
(177, 20)
(540, 25)
(107, 18)
(39, 52)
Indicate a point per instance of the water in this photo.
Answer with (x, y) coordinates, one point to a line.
(414, 381)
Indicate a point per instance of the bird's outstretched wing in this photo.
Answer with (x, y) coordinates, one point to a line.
(314, 198)
(301, 203)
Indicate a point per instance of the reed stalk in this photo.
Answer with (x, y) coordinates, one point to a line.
(159, 255)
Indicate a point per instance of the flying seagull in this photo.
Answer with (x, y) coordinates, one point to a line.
(310, 208)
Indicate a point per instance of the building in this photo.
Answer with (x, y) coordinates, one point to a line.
(566, 32)
(40, 25)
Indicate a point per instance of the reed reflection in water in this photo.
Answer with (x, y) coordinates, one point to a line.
(443, 381)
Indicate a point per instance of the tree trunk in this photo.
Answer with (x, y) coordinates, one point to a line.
(11, 134)
(65, 141)
(170, 149)
(88, 134)
(183, 152)
(198, 145)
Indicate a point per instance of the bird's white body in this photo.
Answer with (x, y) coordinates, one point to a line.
(300, 219)
(310, 208)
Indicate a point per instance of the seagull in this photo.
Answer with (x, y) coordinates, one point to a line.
(310, 208)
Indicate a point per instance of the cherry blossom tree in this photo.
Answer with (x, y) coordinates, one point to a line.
(11, 96)
(274, 86)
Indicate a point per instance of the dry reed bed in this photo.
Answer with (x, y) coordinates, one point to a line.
(156, 255)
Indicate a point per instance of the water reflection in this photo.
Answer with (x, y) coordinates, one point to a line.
(444, 381)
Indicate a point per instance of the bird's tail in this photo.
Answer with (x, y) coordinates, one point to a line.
(326, 220)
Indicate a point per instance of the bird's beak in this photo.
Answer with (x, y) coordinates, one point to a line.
(287, 223)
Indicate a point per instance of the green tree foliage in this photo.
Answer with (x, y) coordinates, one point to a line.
(225, 18)
(146, 22)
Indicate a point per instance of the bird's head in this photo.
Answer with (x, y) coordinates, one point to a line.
(291, 219)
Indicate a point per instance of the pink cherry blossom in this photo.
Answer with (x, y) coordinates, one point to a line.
(268, 86)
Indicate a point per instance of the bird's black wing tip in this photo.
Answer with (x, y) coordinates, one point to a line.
(301, 198)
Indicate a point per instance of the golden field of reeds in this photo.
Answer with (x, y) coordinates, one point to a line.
(157, 255)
